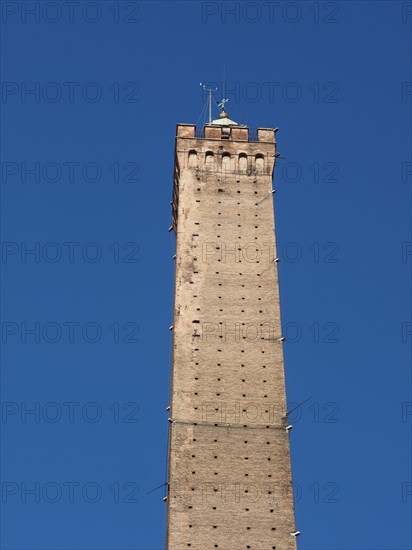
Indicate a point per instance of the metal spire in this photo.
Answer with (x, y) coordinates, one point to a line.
(223, 101)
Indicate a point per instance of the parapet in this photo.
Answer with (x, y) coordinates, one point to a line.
(225, 132)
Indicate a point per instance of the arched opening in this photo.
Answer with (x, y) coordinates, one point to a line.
(209, 160)
(242, 163)
(193, 162)
(226, 162)
(260, 164)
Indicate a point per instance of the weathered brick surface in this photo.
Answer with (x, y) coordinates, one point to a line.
(229, 466)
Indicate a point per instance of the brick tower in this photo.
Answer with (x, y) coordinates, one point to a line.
(230, 481)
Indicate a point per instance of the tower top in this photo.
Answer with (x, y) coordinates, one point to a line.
(223, 119)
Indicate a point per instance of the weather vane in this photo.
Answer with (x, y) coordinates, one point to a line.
(212, 90)
(222, 104)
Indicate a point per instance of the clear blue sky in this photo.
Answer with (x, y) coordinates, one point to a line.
(98, 130)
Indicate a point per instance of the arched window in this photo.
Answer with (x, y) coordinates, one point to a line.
(193, 159)
(210, 160)
(242, 163)
(260, 164)
(226, 162)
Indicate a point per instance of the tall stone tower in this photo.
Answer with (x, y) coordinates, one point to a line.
(230, 481)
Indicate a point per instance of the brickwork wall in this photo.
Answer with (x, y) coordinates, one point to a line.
(229, 467)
